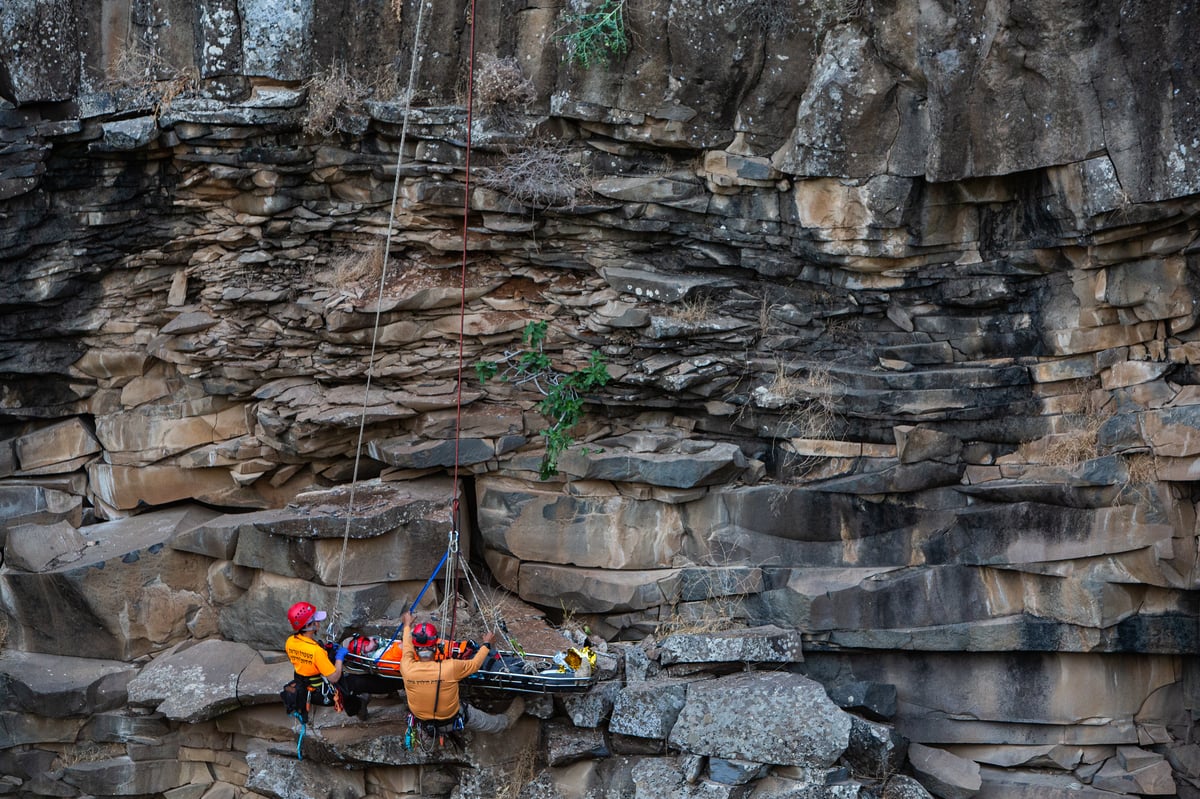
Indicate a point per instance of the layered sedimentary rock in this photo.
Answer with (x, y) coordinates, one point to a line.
(898, 302)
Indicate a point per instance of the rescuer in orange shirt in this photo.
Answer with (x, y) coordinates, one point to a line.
(431, 685)
(313, 667)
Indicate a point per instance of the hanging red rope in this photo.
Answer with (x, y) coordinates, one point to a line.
(455, 507)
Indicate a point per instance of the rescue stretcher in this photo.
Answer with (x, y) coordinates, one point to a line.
(572, 671)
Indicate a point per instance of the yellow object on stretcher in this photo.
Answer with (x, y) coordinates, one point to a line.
(579, 660)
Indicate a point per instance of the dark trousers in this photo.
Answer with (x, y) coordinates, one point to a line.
(370, 684)
(351, 690)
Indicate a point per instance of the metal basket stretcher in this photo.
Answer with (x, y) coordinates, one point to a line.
(505, 671)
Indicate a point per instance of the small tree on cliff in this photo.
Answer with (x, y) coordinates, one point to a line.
(596, 32)
(562, 392)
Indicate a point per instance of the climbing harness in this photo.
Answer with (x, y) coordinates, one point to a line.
(423, 734)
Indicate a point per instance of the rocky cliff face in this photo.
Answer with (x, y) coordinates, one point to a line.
(898, 300)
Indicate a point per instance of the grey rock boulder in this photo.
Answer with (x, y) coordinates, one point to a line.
(946, 775)
(767, 644)
(795, 723)
(648, 709)
(567, 744)
(56, 686)
(286, 778)
(36, 547)
(875, 750)
(589, 710)
(900, 786)
(194, 683)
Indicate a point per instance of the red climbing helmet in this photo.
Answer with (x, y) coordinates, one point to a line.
(424, 634)
(301, 614)
(360, 645)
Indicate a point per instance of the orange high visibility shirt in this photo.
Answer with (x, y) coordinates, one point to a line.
(428, 681)
(309, 659)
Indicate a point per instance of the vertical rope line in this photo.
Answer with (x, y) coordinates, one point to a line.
(387, 248)
(462, 303)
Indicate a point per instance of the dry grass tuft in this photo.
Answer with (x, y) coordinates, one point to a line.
(335, 97)
(541, 175)
(88, 752)
(501, 85)
(692, 310)
(766, 321)
(3, 632)
(332, 92)
(811, 399)
(806, 399)
(1142, 467)
(1071, 449)
(487, 615)
(358, 270)
(727, 611)
(713, 615)
(521, 778)
(1079, 444)
(150, 78)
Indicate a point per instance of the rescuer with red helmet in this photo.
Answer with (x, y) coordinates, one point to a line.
(313, 666)
(431, 683)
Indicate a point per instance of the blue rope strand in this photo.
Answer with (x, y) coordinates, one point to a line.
(417, 601)
(300, 740)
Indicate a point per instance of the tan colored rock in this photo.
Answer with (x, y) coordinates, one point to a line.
(395, 779)
(126, 487)
(596, 590)
(1050, 701)
(39, 504)
(1131, 373)
(111, 363)
(56, 449)
(128, 593)
(1102, 337)
(944, 774)
(1172, 432)
(1156, 288)
(915, 444)
(139, 438)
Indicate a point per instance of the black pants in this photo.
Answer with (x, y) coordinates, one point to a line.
(351, 690)
(369, 684)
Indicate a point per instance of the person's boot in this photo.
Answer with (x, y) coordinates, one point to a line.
(362, 708)
(515, 710)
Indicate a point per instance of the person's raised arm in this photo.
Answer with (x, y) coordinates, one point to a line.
(485, 649)
(406, 644)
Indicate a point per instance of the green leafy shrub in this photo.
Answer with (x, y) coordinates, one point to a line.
(596, 35)
(562, 392)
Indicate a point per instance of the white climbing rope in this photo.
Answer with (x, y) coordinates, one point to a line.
(387, 246)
